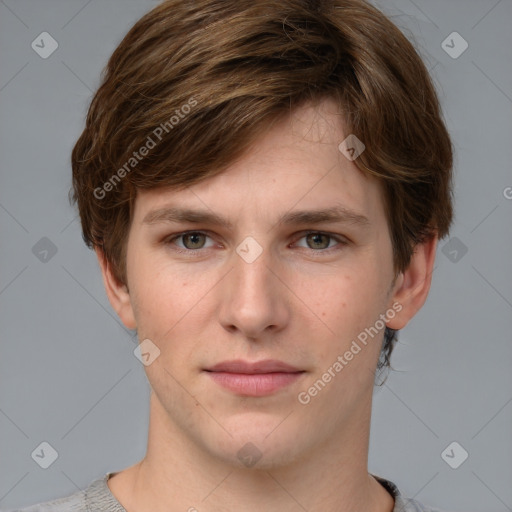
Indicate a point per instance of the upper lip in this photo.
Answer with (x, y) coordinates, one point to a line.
(265, 366)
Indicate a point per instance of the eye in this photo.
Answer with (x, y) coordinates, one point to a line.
(320, 241)
(191, 240)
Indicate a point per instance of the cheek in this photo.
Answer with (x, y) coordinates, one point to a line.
(348, 295)
(345, 306)
(154, 298)
(169, 303)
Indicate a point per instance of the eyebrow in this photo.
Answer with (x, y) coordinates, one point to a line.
(335, 214)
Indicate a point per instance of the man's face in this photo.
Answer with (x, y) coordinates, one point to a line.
(298, 291)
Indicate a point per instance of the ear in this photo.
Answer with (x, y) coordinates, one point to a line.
(412, 285)
(117, 292)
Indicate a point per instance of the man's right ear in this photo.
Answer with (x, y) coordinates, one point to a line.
(117, 292)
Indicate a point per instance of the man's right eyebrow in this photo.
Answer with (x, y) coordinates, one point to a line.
(186, 215)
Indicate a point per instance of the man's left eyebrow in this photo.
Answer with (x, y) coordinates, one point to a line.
(335, 214)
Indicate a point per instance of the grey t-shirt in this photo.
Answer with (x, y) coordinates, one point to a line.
(98, 498)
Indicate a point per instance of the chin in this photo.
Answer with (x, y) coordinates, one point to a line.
(259, 445)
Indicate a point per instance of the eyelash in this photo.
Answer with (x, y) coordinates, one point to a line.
(169, 241)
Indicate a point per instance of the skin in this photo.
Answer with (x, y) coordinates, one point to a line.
(302, 301)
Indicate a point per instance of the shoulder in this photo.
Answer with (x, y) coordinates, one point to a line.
(402, 503)
(72, 503)
(96, 496)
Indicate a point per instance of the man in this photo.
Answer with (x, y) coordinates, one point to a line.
(264, 184)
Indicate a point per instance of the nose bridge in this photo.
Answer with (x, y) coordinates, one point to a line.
(254, 299)
(251, 270)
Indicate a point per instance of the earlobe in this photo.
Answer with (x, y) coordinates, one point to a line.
(117, 292)
(413, 284)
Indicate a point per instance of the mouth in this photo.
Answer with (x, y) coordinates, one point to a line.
(260, 378)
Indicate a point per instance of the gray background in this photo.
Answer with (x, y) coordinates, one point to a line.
(68, 375)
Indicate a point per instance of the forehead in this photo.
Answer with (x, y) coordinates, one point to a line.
(296, 165)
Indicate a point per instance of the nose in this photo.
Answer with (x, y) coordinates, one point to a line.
(254, 300)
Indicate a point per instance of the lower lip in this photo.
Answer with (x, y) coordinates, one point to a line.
(258, 384)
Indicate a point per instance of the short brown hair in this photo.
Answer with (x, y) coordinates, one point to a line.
(213, 75)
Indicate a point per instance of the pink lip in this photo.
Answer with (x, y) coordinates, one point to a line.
(254, 379)
(265, 366)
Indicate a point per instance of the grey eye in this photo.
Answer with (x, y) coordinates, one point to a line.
(193, 240)
(318, 240)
